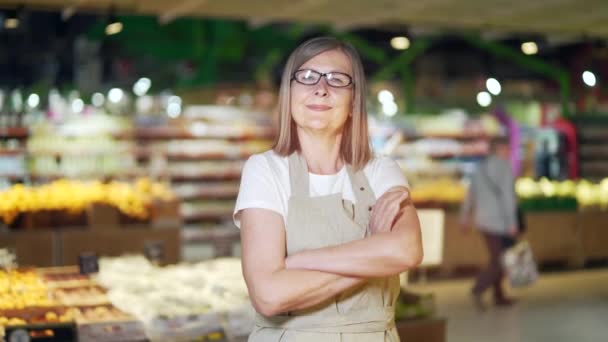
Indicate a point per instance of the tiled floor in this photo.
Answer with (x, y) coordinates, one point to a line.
(560, 307)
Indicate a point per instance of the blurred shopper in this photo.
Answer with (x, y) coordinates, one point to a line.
(491, 206)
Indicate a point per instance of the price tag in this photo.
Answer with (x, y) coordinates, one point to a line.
(88, 263)
(154, 250)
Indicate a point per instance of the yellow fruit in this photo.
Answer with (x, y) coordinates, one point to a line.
(50, 316)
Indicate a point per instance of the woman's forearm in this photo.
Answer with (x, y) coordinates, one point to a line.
(292, 289)
(379, 255)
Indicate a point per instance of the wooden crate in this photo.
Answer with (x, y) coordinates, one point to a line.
(461, 249)
(555, 237)
(427, 330)
(33, 247)
(116, 242)
(594, 234)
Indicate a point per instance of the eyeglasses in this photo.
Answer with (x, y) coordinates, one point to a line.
(311, 77)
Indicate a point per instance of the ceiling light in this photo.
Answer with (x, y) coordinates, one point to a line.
(529, 48)
(484, 99)
(114, 24)
(115, 95)
(12, 20)
(385, 96)
(589, 78)
(400, 43)
(33, 100)
(98, 99)
(493, 86)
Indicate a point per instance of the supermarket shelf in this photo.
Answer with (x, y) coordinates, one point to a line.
(206, 216)
(210, 176)
(14, 132)
(209, 234)
(596, 167)
(13, 177)
(55, 176)
(68, 153)
(221, 132)
(463, 136)
(457, 155)
(207, 193)
(11, 152)
(593, 156)
(208, 155)
(593, 135)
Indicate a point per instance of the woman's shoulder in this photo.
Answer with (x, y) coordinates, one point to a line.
(378, 162)
(267, 161)
(267, 157)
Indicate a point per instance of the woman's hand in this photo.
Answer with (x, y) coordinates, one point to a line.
(386, 209)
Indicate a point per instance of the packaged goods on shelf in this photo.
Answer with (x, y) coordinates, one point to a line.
(207, 209)
(228, 189)
(429, 148)
(81, 147)
(225, 169)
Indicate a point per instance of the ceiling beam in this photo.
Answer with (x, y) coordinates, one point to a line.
(289, 12)
(302, 6)
(180, 9)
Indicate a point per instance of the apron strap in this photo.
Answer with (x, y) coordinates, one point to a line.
(298, 175)
(363, 192)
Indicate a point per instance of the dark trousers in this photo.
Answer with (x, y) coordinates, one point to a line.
(493, 274)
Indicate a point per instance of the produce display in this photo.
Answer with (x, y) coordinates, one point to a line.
(37, 316)
(562, 195)
(20, 289)
(52, 302)
(180, 302)
(131, 299)
(443, 191)
(80, 296)
(148, 292)
(533, 195)
(75, 196)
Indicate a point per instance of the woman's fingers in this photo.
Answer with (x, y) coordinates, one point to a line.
(386, 209)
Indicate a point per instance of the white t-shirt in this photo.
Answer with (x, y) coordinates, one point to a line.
(267, 186)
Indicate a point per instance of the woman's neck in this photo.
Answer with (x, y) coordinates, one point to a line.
(322, 152)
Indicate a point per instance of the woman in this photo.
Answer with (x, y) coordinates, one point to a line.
(321, 255)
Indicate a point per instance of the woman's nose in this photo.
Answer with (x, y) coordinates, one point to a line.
(321, 88)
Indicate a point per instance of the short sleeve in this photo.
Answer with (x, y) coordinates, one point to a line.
(258, 188)
(386, 174)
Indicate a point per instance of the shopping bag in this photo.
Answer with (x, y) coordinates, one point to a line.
(519, 264)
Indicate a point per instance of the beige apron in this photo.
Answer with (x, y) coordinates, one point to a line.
(364, 314)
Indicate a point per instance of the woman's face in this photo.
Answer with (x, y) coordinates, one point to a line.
(320, 107)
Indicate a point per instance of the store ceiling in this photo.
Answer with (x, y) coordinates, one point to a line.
(577, 18)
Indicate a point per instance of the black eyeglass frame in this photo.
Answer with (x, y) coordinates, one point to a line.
(323, 75)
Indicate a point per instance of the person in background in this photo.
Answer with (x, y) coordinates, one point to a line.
(543, 160)
(491, 207)
(326, 227)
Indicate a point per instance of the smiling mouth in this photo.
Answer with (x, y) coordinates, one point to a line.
(318, 108)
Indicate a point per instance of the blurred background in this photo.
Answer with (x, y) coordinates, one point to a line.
(124, 126)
